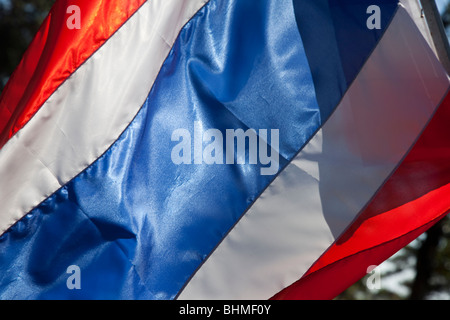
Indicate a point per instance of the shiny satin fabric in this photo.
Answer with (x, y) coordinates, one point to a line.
(338, 42)
(135, 223)
(56, 52)
(138, 225)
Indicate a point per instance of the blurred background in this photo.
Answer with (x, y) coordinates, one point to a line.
(419, 271)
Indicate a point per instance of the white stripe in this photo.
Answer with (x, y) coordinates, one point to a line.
(80, 121)
(415, 11)
(310, 203)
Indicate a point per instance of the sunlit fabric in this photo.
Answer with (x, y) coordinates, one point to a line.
(55, 53)
(123, 167)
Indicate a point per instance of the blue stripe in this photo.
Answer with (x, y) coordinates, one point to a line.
(338, 42)
(135, 223)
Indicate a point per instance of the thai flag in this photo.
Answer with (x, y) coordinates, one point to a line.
(221, 149)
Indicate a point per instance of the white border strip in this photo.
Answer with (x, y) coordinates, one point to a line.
(313, 200)
(89, 111)
(415, 12)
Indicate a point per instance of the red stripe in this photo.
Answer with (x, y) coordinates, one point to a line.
(328, 282)
(413, 199)
(55, 53)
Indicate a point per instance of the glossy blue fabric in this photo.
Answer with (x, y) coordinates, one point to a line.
(338, 42)
(136, 224)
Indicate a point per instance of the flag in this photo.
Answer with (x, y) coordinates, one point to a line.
(218, 149)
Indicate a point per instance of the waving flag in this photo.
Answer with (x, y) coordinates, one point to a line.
(220, 149)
